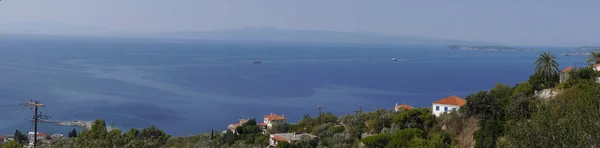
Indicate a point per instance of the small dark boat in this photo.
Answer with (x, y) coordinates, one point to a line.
(256, 62)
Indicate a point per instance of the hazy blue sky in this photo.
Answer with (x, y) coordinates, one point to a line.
(508, 21)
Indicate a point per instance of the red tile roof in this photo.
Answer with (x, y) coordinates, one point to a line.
(234, 126)
(566, 69)
(2, 137)
(452, 100)
(279, 138)
(274, 117)
(404, 106)
(596, 65)
(262, 124)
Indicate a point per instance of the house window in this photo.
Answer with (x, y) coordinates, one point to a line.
(437, 108)
(445, 109)
(454, 109)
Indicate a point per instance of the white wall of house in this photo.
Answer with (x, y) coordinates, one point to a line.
(270, 123)
(438, 109)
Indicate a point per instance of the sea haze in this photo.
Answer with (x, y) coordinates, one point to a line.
(188, 88)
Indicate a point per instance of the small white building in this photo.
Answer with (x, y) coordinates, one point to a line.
(596, 67)
(445, 105)
(272, 119)
(40, 136)
(274, 139)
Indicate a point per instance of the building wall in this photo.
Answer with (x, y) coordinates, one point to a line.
(271, 123)
(564, 77)
(438, 109)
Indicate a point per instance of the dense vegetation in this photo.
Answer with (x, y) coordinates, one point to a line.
(503, 116)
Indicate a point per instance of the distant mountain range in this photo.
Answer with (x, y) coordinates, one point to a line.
(258, 34)
(285, 35)
(54, 28)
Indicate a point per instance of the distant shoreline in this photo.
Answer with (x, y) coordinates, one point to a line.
(488, 48)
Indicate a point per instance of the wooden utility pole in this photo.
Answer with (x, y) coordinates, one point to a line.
(35, 105)
(359, 111)
(319, 116)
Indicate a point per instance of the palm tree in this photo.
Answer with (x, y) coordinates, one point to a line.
(594, 57)
(546, 65)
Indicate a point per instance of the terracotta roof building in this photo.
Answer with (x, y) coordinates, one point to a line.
(448, 104)
(402, 106)
(273, 119)
(564, 74)
(234, 126)
(274, 139)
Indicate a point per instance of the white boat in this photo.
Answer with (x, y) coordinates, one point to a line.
(394, 59)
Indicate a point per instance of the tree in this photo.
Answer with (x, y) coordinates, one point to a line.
(501, 93)
(401, 138)
(305, 142)
(229, 137)
(523, 88)
(11, 144)
(20, 138)
(284, 144)
(415, 118)
(437, 140)
(153, 137)
(95, 136)
(483, 106)
(488, 134)
(279, 128)
(520, 107)
(376, 141)
(261, 140)
(327, 117)
(546, 65)
(594, 57)
(131, 135)
(72, 133)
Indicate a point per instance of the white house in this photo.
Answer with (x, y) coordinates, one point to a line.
(403, 106)
(40, 137)
(274, 139)
(596, 67)
(272, 119)
(452, 103)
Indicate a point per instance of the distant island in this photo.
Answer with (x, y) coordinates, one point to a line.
(582, 51)
(486, 48)
(587, 48)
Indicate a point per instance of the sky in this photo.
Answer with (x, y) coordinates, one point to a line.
(535, 22)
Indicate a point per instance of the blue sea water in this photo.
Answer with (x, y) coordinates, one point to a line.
(189, 88)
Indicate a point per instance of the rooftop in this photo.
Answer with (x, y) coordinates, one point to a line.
(274, 117)
(38, 134)
(566, 70)
(235, 125)
(452, 100)
(404, 106)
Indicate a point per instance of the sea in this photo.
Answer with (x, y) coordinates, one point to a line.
(192, 87)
